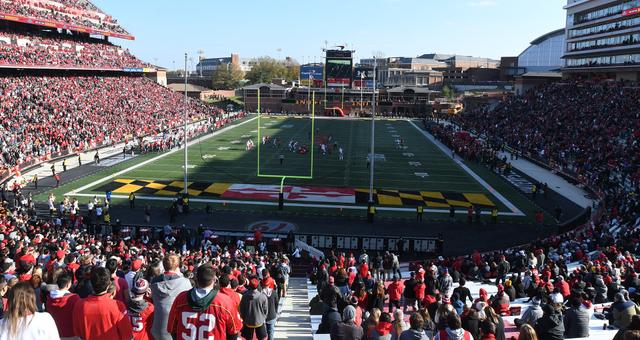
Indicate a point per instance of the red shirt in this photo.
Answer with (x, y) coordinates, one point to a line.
(100, 317)
(217, 320)
(61, 309)
(395, 291)
(235, 298)
(419, 290)
(141, 323)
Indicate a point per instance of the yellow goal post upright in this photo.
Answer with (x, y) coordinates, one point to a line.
(282, 177)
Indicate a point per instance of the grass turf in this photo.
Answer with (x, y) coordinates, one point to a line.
(223, 158)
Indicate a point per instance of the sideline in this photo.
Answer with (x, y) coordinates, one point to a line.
(447, 152)
(300, 205)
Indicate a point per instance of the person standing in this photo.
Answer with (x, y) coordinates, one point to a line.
(140, 311)
(272, 308)
(201, 312)
(164, 290)
(253, 311)
(22, 320)
(35, 181)
(64, 165)
(60, 305)
(96, 158)
(419, 211)
(132, 200)
(99, 316)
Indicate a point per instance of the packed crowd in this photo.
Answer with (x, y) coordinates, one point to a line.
(40, 116)
(56, 50)
(587, 129)
(72, 12)
(61, 279)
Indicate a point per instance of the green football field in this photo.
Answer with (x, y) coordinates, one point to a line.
(221, 169)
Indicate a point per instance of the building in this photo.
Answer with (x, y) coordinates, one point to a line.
(207, 66)
(193, 91)
(603, 39)
(544, 54)
(455, 66)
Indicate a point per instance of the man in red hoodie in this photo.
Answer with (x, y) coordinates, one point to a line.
(60, 305)
(98, 316)
(395, 290)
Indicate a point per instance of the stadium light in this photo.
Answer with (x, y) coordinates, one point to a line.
(186, 119)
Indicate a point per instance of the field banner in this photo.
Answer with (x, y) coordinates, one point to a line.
(291, 193)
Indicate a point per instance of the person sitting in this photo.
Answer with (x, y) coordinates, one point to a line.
(576, 320)
(416, 330)
(500, 302)
(346, 330)
(622, 311)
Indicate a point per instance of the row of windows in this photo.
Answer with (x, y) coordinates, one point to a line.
(605, 42)
(605, 60)
(605, 12)
(612, 26)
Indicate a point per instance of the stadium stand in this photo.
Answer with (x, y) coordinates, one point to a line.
(44, 115)
(53, 50)
(80, 13)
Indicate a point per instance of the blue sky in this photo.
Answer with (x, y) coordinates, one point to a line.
(165, 29)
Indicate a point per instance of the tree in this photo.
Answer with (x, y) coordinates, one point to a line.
(227, 77)
(266, 69)
(448, 92)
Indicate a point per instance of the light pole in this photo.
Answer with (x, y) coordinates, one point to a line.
(309, 90)
(186, 119)
(373, 134)
(361, 92)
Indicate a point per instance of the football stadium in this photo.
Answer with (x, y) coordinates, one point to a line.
(150, 191)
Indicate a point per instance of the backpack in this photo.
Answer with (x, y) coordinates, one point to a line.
(280, 274)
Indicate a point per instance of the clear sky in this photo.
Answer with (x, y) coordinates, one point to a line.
(165, 29)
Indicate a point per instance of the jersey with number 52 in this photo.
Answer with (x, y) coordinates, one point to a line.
(212, 323)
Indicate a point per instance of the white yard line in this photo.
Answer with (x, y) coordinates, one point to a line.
(133, 167)
(302, 205)
(446, 151)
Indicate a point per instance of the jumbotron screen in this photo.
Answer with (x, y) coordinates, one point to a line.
(339, 68)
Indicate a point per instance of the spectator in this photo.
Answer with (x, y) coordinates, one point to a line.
(527, 333)
(463, 292)
(347, 329)
(60, 305)
(203, 303)
(416, 331)
(383, 331)
(398, 325)
(550, 326)
(164, 290)
(454, 330)
(623, 310)
(253, 311)
(576, 320)
(98, 316)
(633, 326)
(395, 290)
(531, 314)
(272, 309)
(140, 311)
(22, 320)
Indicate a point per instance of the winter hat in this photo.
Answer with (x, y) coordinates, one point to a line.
(349, 313)
(136, 264)
(140, 287)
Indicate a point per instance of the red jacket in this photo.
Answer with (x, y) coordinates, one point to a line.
(141, 323)
(419, 290)
(395, 290)
(61, 309)
(100, 317)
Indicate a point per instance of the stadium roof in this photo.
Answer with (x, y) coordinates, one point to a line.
(261, 85)
(415, 89)
(551, 34)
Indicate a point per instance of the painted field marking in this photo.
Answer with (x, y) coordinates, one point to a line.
(301, 205)
(475, 176)
(141, 164)
(223, 148)
(408, 154)
(421, 174)
(415, 163)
